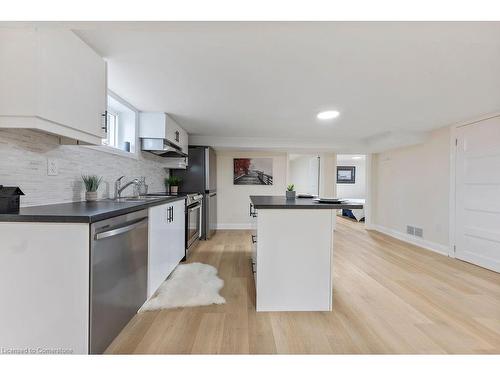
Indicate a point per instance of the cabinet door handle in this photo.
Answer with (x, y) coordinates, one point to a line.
(170, 214)
(252, 212)
(254, 238)
(105, 122)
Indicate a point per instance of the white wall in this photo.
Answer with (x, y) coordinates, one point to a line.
(233, 200)
(358, 189)
(23, 162)
(303, 173)
(411, 187)
(328, 175)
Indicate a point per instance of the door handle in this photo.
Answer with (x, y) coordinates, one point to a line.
(170, 214)
(104, 125)
(254, 238)
(121, 230)
(253, 213)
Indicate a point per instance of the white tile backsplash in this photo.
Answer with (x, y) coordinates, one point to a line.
(23, 163)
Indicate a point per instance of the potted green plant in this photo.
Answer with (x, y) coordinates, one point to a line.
(290, 191)
(172, 184)
(92, 183)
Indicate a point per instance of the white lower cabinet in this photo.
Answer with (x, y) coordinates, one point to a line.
(166, 242)
(45, 277)
(44, 273)
(293, 257)
(253, 234)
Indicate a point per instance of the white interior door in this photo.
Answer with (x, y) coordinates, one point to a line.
(478, 194)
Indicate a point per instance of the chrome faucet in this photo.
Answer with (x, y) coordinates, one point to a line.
(119, 188)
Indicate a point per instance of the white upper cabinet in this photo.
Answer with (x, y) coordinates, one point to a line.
(161, 125)
(52, 81)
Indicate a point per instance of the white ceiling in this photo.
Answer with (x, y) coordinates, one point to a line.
(260, 85)
(350, 157)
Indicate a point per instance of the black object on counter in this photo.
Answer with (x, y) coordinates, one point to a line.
(9, 199)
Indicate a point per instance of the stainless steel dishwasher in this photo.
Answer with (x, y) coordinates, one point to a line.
(118, 280)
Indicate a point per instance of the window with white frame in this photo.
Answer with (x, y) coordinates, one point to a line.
(121, 122)
(112, 135)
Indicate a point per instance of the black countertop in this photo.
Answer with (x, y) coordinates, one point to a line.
(82, 212)
(277, 201)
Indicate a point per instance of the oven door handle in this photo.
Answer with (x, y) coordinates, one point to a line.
(192, 208)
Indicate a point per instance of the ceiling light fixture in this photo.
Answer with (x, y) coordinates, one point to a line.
(357, 157)
(328, 115)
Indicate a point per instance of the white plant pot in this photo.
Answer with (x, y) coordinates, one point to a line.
(91, 196)
(174, 189)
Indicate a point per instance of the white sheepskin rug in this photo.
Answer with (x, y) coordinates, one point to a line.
(193, 284)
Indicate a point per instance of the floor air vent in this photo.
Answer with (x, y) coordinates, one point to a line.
(414, 231)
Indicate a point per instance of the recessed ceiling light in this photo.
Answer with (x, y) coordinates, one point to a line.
(328, 115)
(357, 157)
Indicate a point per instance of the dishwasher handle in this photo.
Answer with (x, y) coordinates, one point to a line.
(121, 230)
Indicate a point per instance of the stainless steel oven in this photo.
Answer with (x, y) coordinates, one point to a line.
(193, 220)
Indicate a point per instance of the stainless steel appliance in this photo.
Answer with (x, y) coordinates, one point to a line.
(200, 176)
(118, 279)
(161, 135)
(211, 221)
(193, 220)
(161, 147)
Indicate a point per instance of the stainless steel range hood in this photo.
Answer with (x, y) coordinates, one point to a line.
(162, 147)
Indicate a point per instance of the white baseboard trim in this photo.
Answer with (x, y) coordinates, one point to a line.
(428, 245)
(243, 226)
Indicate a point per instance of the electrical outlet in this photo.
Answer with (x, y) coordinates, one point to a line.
(52, 167)
(410, 230)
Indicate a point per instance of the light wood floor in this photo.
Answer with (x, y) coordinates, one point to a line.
(389, 297)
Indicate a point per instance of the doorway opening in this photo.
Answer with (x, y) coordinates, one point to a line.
(351, 183)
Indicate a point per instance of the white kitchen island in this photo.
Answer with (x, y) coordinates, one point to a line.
(293, 245)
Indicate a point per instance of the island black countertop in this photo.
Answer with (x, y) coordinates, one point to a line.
(280, 202)
(82, 212)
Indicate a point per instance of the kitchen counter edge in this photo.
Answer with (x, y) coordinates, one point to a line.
(121, 208)
(280, 202)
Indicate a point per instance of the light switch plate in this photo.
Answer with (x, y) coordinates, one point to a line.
(52, 167)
